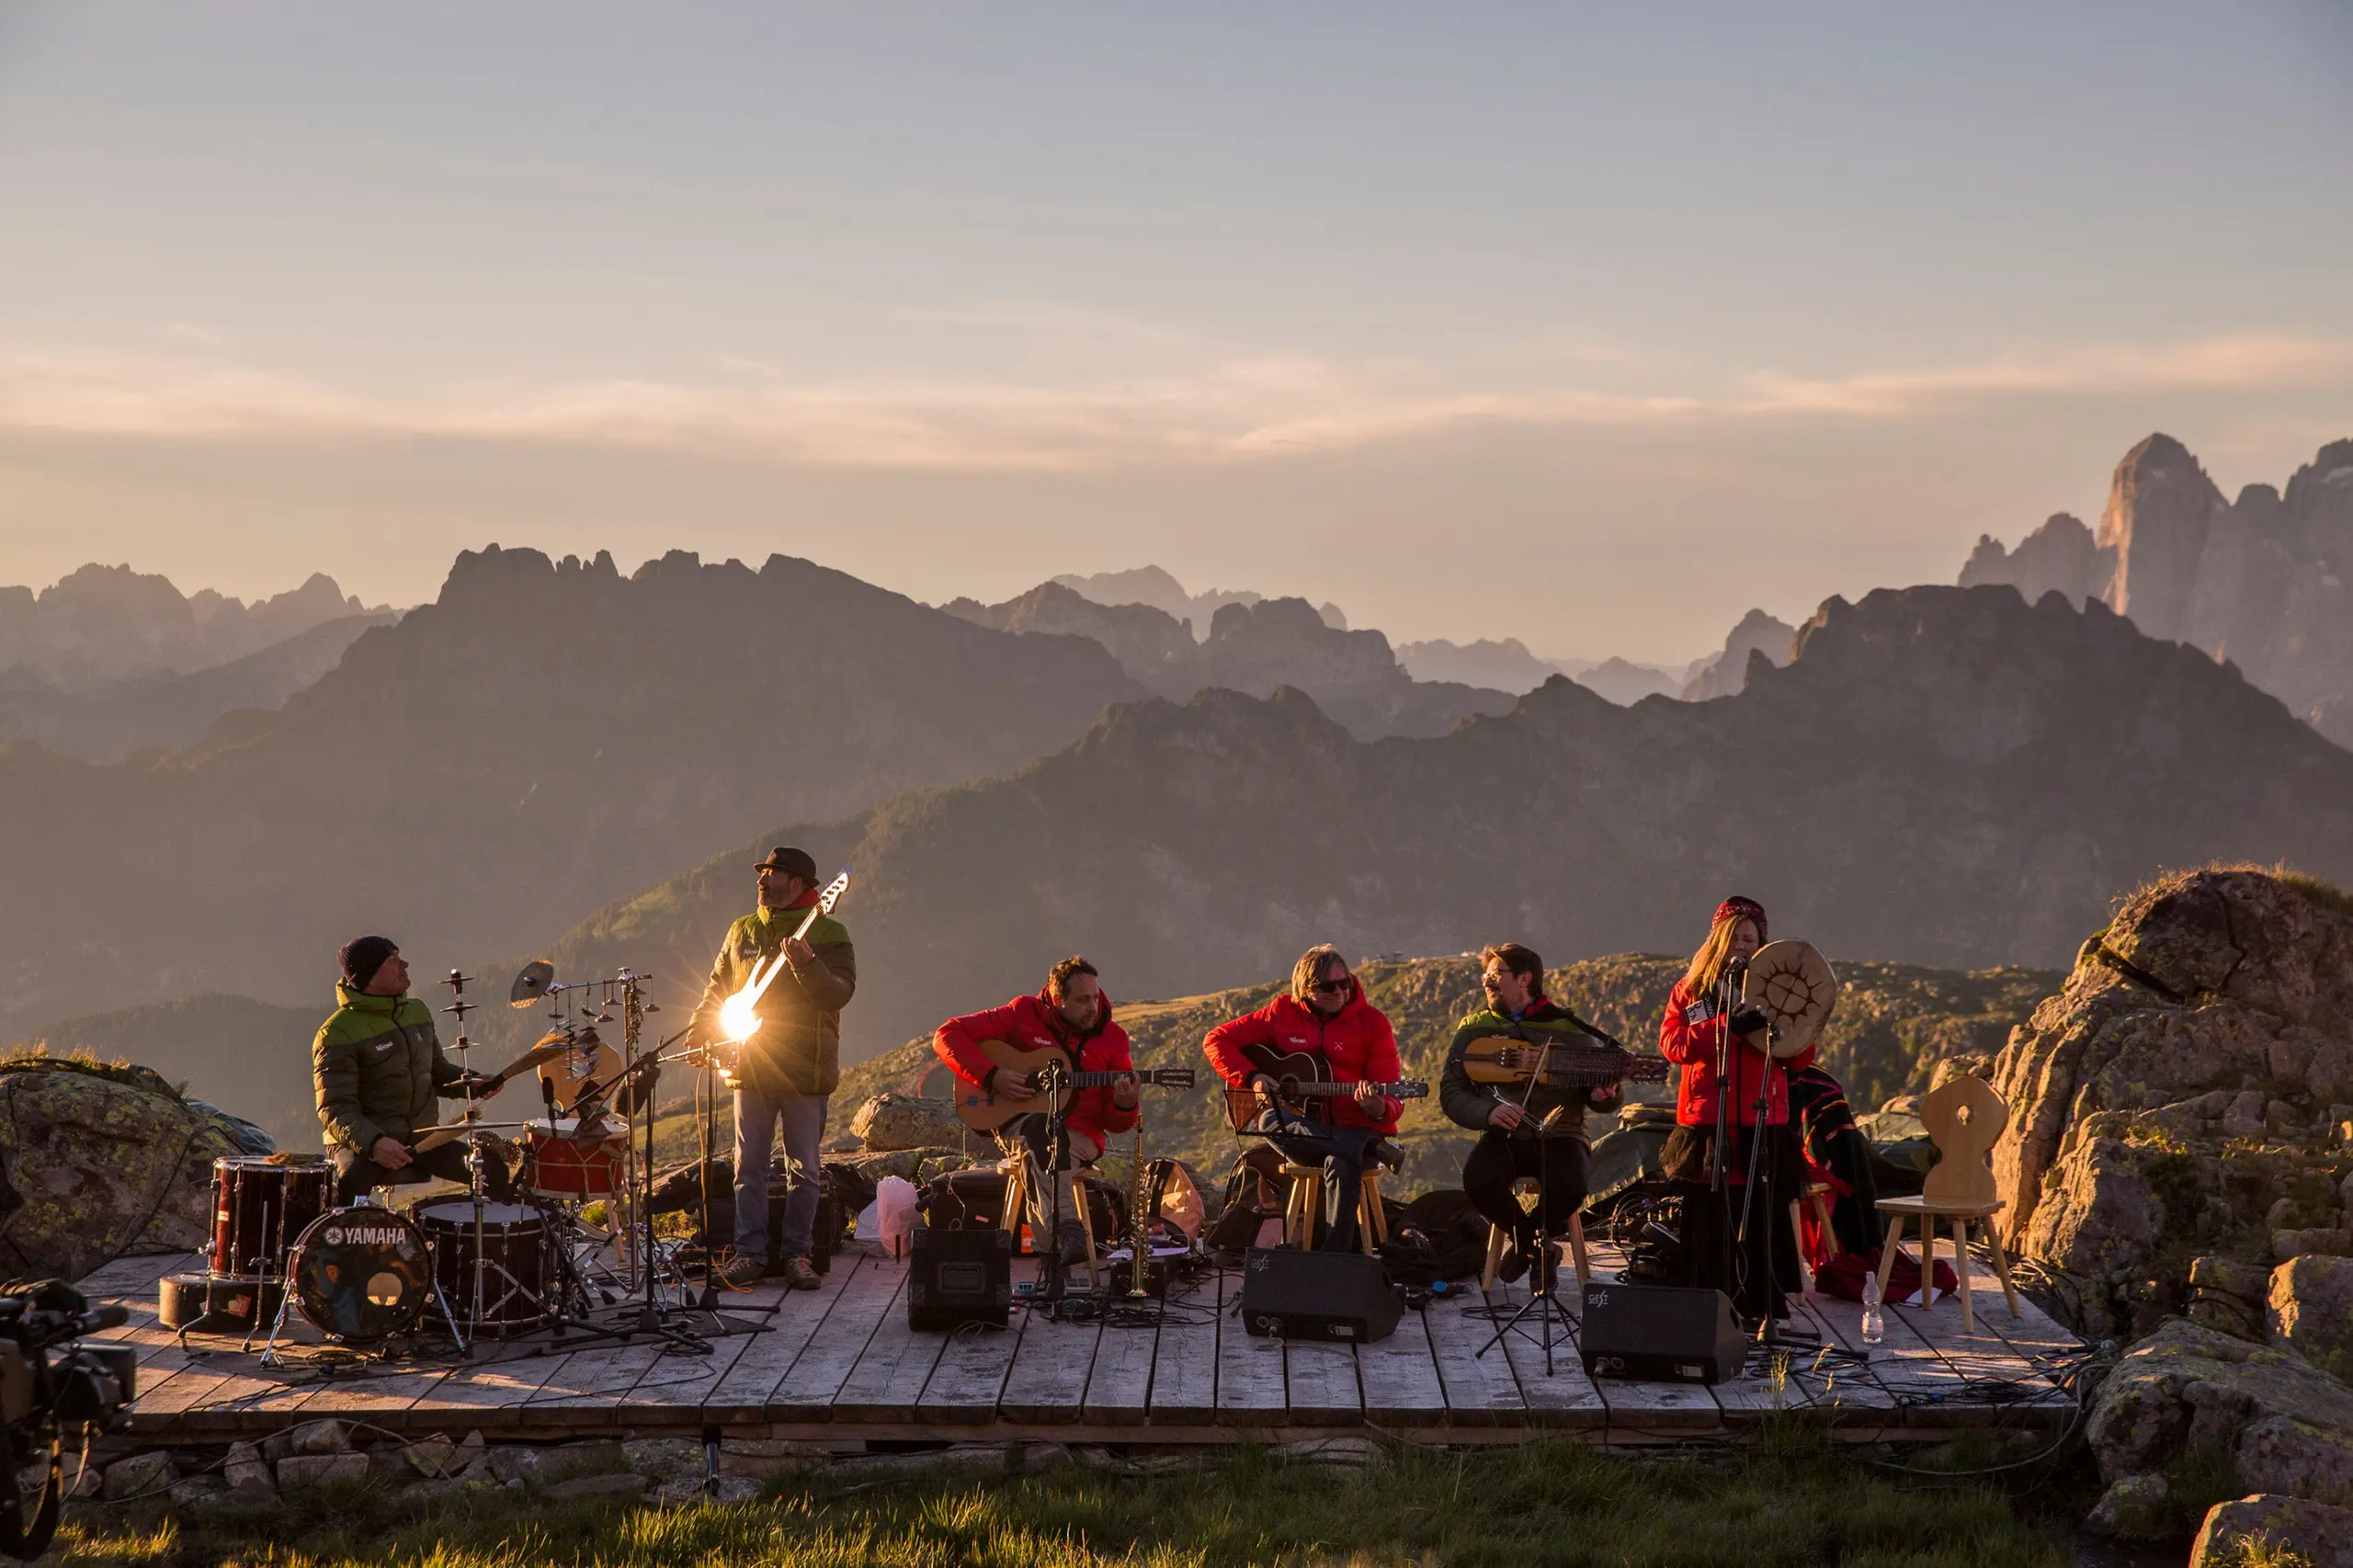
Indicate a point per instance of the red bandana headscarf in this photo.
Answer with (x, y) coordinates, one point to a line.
(1739, 908)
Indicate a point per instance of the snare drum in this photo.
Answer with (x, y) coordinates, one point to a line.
(564, 1164)
(261, 1206)
(514, 1241)
(361, 1274)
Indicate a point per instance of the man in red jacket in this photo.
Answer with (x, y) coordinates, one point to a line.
(1072, 1013)
(1324, 1014)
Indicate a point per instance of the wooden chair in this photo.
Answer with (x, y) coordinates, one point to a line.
(1964, 1118)
(1017, 1206)
(1497, 1237)
(1305, 1206)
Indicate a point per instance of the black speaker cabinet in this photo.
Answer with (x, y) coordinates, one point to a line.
(958, 1276)
(1317, 1295)
(1660, 1334)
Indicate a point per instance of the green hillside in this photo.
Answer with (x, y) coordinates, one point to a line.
(1894, 1023)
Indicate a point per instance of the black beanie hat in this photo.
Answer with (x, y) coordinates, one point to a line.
(363, 957)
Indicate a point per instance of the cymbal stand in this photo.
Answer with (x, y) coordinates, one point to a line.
(477, 1159)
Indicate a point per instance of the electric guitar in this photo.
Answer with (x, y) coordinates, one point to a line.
(1304, 1086)
(727, 1054)
(985, 1110)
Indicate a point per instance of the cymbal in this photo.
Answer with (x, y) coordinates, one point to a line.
(533, 983)
(1792, 981)
(432, 1138)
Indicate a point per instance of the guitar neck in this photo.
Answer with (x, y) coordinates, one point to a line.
(1333, 1091)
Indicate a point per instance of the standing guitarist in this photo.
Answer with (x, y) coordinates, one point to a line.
(1535, 1131)
(790, 1064)
(1072, 1014)
(1324, 1016)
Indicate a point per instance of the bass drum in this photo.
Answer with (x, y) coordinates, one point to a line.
(361, 1274)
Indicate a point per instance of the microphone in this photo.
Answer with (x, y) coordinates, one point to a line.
(1735, 964)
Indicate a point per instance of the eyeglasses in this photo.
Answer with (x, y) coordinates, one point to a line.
(1328, 987)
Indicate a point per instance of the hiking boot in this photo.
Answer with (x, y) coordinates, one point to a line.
(800, 1274)
(1075, 1245)
(741, 1271)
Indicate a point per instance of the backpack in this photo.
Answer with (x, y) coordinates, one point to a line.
(1436, 1236)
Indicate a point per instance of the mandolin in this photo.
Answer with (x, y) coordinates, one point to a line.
(984, 1110)
(1304, 1086)
(1578, 1064)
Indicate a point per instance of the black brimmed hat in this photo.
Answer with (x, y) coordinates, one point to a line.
(791, 862)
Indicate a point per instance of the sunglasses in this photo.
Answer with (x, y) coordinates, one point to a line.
(1327, 987)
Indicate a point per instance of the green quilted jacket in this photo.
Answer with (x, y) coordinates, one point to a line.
(377, 1067)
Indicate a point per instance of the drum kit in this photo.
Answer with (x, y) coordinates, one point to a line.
(367, 1275)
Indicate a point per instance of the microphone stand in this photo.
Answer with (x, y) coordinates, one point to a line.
(1720, 1174)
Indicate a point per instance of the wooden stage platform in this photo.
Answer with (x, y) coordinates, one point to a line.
(840, 1366)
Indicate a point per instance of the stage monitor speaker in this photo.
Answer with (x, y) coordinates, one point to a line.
(1660, 1334)
(1317, 1295)
(958, 1276)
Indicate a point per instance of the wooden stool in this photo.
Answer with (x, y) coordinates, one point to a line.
(1496, 1238)
(1964, 1118)
(1816, 1196)
(1305, 1205)
(1017, 1204)
(1926, 1215)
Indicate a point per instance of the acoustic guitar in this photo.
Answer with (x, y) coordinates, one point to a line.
(984, 1110)
(1304, 1086)
(1564, 1064)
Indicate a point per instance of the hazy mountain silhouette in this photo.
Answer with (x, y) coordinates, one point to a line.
(103, 722)
(1726, 672)
(104, 624)
(1252, 648)
(540, 740)
(1939, 776)
(2264, 581)
(1504, 665)
(1154, 586)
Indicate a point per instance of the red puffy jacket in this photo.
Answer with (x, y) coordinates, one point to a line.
(1356, 1043)
(1034, 1023)
(1694, 1045)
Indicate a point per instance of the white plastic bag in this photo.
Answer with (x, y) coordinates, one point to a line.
(895, 1215)
(869, 1225)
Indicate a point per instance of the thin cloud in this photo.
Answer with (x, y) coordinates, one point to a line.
(1215, 409)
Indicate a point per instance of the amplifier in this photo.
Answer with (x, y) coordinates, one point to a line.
(958, 1276)
(1317, 1295)
(1660, 1334)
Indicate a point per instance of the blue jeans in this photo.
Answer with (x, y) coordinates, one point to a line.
(757, 1119)
(1341, 1152)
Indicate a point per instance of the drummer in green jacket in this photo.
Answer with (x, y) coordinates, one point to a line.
(377, 1067)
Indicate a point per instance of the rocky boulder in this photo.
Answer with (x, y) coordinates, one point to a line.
(99, 1162)
(889, 1122)
(2283, 1530)
(2310, 1308)
(2180, 1095)
(2188, 1398)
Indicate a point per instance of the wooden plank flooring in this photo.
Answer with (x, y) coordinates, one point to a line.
(841, 1364)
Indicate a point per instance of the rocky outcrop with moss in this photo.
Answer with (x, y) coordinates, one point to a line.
(2188, 1092)
(99, 1161)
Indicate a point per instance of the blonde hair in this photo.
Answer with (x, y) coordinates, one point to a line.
(1707, 964)
(1310, 969)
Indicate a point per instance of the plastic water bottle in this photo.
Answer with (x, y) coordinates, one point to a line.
(1874, 1319)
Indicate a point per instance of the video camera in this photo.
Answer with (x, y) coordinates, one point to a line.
(49, 1380)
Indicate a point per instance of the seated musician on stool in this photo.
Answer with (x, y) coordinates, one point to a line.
(1070, 1012)
(376, 1067)
(1703, 1016)
(785, 1072)
(1534, 1130)
(1324, 1014)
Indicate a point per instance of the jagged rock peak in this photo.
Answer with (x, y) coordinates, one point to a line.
(1757, 632)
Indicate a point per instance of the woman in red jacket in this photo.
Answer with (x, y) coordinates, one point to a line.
(1324, 1014)
(1706, 1024)
(1072, 1012)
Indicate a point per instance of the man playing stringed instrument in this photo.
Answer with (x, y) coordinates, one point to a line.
(1324, 1017)
(789, 1065)
(1531, 1131)
(1071, 1015)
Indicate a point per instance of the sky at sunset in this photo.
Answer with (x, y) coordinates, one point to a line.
(1593, 326)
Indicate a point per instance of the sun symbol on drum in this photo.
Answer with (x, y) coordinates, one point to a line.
(1789, 994)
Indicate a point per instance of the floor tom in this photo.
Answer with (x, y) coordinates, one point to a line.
(261, 1206)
